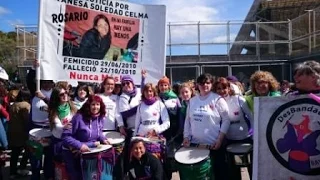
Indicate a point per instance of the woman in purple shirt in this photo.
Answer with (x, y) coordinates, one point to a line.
(85, 133)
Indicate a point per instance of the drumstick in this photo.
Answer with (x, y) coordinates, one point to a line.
(201, 146)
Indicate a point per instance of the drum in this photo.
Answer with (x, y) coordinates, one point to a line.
(155, 145)
(116, 140)
(240, 154)
(41, 136)
(98, 163)
(193, 163)
(38, 139)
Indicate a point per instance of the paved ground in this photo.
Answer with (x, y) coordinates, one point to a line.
(5, 170)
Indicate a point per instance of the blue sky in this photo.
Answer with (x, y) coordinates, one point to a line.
(25, 12)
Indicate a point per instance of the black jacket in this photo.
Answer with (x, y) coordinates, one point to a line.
(149, 167)
(93, 46)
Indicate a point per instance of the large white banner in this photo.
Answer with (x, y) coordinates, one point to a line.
(87, 40)
(287, 139)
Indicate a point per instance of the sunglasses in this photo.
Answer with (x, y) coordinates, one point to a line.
(63, 94)
(127, 83)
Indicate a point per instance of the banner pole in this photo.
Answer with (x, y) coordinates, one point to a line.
(37, 68)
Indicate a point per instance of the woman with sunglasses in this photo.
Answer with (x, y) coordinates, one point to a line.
(241, 118)
(113, 118)
(128, 104)
(207, 122)
(129, 100)
(61, 110)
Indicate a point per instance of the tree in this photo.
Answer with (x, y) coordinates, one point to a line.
(7, 51)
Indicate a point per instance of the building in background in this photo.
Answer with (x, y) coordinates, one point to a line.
(274, 36)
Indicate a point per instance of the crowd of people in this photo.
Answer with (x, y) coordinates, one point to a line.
(215, 111)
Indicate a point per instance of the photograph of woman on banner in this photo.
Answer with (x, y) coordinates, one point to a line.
(96, 41)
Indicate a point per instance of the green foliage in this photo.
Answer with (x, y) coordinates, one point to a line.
(7, 51)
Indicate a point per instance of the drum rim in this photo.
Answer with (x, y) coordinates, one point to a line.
(116, 132)
(240, 153)
(90, 153)
(200, 162)
(35, 129)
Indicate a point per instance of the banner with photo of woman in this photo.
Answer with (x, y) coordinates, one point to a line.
(88, 40)
(286, 138)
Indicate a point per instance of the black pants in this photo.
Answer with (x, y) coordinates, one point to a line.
(15, 153)
(219, 163)
(235, 172)
(126, 150)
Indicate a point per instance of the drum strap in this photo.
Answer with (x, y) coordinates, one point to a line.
(124, 119)
(244, 115)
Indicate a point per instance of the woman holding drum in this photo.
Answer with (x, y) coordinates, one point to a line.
(241, 118)
(85, 134)
(241, 121)
(207, 122)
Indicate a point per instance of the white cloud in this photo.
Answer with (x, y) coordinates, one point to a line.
(191, 11)
(4, 11)
(15, 22)
(224, 38)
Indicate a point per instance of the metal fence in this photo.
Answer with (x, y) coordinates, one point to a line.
(262, 43)
(306, 33)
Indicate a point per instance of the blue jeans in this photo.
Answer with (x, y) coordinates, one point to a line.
(3, 134)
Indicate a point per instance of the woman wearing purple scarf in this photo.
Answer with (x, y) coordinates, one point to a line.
(152, 116)
(86, 133)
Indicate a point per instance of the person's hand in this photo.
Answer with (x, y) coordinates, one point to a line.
(96, 144)
(40, 95)
(143, 73)
(84, 148)
(67, 126)
(186, 142)
(216, 145)
(106, 142)
(122, 131)
(151, 133)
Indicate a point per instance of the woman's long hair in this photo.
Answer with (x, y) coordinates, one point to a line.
(54, 103)
(85, 110)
